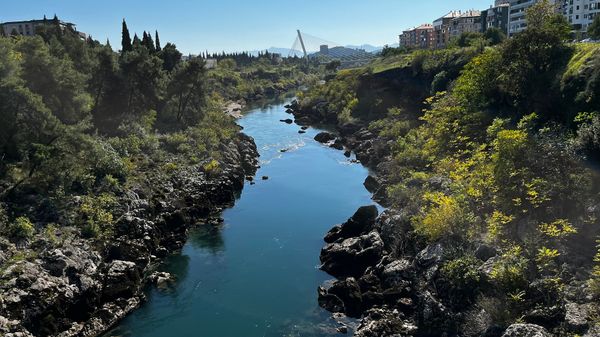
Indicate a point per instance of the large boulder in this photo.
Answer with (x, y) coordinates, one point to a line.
(525, 330)
(577, 316)
(353, 256)
(397, 273)
(324, 137)
(342, 296)
(360, 223)
(384, 322)
(122, 280)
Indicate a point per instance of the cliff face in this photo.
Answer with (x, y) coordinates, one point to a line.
(71, 286)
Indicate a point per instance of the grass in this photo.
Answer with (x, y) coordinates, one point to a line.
(583, 52)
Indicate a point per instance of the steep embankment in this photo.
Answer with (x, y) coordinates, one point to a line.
(492, 210)
(71, 286)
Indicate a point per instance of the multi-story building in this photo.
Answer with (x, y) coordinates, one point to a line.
(517, 15)
(28, 28)
(580, 13)
(441, 29)
(468, 22)
(420, 37)
(495, 17)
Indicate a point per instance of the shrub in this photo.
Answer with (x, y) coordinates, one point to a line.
(463, 278)
(21, 229)
(443, 216)
(94, 215)
(509, 272)
(212, 167)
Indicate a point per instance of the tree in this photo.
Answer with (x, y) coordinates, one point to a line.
(148, 43)
(594, 28)
(494, 36)
(186, 93)
(170, 56)
(126, 38)
(61, 87)
(333, 65)
(157, 40)
(543, 16)
(532, 60)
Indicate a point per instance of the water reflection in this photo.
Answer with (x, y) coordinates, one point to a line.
(209, 238)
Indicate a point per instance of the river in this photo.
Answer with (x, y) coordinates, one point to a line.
(257, 275)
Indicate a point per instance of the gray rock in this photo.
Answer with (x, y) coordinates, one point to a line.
(525, 330)
(576, 316)
(432, 254)
(593, 331)
(324, 137)
(353, 256)
(122, 279)
(397, 272)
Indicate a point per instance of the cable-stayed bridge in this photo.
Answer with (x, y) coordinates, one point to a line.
(312, 47)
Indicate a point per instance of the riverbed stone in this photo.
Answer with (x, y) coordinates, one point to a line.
(352, 256)
(525, 330)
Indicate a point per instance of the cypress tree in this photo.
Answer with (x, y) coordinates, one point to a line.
(126, 38)
(157, 40)
(136, 41)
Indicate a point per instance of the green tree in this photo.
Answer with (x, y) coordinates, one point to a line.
(594, 28)
(533, 60)
(170, 56)
(61, 87)
(186, 93)
(494, 36)
(126, 38)
(157, 41)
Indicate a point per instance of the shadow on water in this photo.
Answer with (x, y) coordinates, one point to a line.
(208, 237)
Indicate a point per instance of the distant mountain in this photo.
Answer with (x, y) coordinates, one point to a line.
(283, 51)
(366, 47)
(287, 51)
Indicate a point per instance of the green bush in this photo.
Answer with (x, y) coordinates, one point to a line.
(21, 229)
(463, 279)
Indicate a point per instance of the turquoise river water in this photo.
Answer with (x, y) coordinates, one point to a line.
(258, 275)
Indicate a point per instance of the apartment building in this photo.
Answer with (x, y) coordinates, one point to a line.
(580, 13)
(496, 17)
(420, 37)
(441, 29)
(467, 22)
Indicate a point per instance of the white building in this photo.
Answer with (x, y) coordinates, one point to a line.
(28, 28)
(517, 15)
(580, 13)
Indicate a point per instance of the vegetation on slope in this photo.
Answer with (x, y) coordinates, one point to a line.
(502, 154)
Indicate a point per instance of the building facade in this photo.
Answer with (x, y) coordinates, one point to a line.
(28, 28)
(580, 13)
(468, 22)
(420, 37)
(495, 17)
(441, 29)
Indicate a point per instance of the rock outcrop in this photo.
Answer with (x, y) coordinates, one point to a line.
(71, 286)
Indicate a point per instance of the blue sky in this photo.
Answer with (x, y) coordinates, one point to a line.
(233, 25)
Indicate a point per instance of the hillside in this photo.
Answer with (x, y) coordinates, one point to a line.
(486, 157)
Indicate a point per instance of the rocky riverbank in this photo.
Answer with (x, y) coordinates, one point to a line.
(65, 285)
(389, 277)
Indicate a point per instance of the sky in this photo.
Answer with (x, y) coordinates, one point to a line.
(239, 25)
